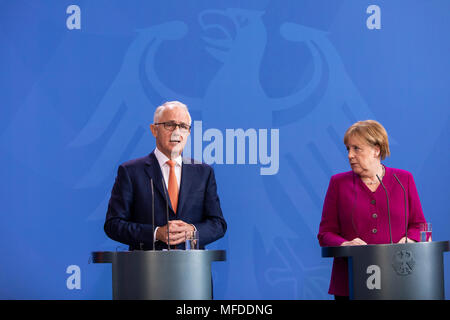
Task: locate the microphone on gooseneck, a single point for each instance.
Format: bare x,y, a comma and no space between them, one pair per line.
389,212
167,214
406,215
153,213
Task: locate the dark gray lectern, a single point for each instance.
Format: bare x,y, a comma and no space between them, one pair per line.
161,275
394,271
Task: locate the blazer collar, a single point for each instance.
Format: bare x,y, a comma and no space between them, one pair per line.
162,158
153,170
187,177
387,181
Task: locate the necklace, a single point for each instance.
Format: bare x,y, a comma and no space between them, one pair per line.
371,182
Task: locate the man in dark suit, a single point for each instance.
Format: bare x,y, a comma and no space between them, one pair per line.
188,189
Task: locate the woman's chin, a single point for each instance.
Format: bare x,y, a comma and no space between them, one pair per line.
356,169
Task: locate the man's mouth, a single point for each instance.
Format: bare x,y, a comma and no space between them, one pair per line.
177,141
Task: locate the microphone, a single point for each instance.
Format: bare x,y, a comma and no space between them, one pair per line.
153,213
389,212
406,215
167,213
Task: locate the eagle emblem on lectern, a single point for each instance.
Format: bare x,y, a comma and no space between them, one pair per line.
403,262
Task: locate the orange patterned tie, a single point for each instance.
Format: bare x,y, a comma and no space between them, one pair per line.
173,185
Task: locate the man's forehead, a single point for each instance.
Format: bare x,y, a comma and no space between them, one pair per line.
174,112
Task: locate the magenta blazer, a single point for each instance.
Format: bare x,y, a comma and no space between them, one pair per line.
351,210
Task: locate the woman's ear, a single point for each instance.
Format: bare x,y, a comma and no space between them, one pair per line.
377,151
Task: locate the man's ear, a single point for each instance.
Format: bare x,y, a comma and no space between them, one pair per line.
153,129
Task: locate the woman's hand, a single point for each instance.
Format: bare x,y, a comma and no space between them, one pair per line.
402,240
354,242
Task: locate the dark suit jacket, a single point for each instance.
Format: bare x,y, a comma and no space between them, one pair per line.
129,216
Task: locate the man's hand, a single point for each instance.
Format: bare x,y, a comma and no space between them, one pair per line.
177,229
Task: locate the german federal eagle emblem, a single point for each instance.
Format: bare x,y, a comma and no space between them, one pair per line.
403,262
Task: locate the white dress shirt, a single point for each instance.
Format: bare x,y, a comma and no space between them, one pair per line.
165,168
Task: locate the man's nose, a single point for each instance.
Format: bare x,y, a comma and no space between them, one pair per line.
176,133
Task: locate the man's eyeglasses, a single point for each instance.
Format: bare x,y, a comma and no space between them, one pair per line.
171,126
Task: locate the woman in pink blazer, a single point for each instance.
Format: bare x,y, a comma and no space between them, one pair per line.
355,207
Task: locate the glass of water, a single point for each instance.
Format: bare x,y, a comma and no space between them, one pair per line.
425,232
192,242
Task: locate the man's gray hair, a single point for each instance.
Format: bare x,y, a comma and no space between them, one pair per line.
169,105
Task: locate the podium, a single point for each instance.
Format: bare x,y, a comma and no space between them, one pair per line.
161,275
410,271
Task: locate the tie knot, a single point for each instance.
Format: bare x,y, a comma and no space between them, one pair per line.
171,163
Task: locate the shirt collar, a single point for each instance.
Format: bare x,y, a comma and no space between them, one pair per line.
162,158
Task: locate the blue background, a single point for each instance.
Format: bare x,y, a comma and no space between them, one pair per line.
77,103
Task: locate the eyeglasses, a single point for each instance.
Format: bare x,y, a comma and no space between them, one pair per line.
171,126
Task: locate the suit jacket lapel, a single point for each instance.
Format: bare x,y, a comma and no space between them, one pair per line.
153,170
187,176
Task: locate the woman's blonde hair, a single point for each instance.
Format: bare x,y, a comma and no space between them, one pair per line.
373,133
